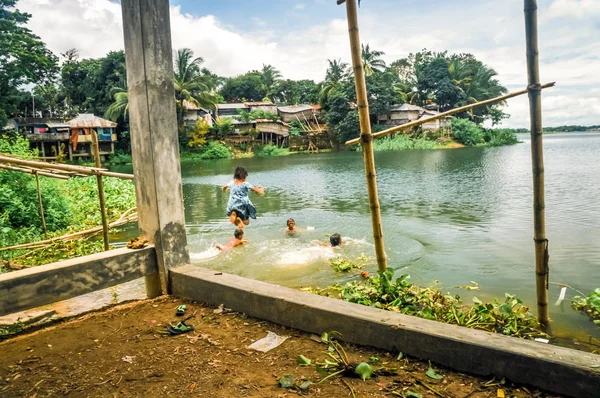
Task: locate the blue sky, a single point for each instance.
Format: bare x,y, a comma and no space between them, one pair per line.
298,36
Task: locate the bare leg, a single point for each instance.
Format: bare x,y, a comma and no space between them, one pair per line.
233,217
239,223
247,222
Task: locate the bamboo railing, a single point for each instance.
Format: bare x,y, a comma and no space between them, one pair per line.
64,171
442,115
533,90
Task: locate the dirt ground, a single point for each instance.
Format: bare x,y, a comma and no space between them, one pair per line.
124,351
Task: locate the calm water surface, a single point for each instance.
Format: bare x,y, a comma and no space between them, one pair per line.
453,216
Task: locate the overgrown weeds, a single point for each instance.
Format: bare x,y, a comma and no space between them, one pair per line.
510,317
589,305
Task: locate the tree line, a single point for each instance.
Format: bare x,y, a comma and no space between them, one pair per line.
66,85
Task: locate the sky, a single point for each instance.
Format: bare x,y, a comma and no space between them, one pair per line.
298,36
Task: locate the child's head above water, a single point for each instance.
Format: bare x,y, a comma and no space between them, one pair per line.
335,240
240,174
291,223
238,234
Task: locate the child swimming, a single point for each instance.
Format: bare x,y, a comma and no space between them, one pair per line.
239,207
238,240
291,227
335,240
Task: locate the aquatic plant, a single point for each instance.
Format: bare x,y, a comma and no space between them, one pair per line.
510,317
341,264
589,305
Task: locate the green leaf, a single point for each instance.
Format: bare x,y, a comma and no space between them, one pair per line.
431,374
413,394
304,386
364,370
287,381
400,356
303,361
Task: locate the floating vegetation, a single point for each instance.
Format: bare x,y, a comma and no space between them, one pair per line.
589,305
510,317
341,264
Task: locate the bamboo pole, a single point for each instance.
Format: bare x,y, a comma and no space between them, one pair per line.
88,171
88,232
33,171
96,150
537,160
366,138
448,113
41,203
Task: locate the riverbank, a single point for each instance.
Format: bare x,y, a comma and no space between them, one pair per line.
126,350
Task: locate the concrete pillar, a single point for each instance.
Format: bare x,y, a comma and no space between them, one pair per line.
154,140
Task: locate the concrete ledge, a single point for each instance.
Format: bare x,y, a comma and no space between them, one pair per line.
37,286
554,369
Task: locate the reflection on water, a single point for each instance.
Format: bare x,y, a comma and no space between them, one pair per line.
450,215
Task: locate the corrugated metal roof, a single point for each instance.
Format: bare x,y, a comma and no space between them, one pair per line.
58,126
85,120
231,106
259,104
295,108
191,107
407,107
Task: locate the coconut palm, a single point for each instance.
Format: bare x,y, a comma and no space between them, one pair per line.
189,83
269,76
119,108
336,72
372,61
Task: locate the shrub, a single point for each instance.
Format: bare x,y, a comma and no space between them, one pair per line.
18,193
466,132
216,150
270,150
119,157
402,142
197,135
498,137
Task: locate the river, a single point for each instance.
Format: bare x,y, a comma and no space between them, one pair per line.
452,216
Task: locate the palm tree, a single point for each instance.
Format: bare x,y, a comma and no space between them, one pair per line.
372,61
119,108
336,72
269,76
189,83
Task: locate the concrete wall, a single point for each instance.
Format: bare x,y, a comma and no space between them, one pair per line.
555,369
37,286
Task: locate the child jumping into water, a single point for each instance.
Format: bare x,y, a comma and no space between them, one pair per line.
238,240
239,207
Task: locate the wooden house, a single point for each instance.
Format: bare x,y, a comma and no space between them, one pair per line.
194,113
405,113
80,140
230,110
50,137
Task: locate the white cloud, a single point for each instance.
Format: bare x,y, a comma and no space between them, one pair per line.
494,32
299,6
